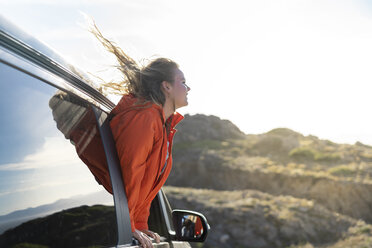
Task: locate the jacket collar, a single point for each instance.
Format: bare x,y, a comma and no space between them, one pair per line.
129,102
177,117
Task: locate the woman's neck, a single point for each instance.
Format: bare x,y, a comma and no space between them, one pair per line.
168,109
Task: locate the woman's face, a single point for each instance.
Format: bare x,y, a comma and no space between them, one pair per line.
179,89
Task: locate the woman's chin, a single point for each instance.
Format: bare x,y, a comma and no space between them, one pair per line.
183,105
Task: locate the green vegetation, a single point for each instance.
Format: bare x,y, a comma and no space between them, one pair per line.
283,132
365,230
302,153
310,154
343,170
327,157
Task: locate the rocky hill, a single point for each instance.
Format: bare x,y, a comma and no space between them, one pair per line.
77,227
280,163
201,127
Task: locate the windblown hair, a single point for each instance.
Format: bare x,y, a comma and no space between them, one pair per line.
143,82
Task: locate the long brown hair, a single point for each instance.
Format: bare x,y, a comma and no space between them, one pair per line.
143,82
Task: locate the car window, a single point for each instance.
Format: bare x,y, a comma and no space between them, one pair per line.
160,219
44,135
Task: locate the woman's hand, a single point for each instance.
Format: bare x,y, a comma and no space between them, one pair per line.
143,239
153,235
143,236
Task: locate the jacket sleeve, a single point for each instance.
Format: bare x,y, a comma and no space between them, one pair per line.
134,137
142,216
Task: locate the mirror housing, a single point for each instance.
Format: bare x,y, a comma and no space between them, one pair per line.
190,226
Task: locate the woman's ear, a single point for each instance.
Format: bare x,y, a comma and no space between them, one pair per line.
166,86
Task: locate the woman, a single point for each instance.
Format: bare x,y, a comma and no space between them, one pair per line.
143,127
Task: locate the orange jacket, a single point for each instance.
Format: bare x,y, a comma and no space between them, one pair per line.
141,139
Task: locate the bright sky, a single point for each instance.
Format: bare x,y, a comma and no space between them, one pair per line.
262,64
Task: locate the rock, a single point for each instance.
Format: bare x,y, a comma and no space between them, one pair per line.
202,127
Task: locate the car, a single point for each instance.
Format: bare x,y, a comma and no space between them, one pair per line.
51,115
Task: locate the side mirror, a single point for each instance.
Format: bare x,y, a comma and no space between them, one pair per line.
190,226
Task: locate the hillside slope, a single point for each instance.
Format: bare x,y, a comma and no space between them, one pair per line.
249,218
280,162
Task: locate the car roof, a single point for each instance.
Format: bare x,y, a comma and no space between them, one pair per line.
24,52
